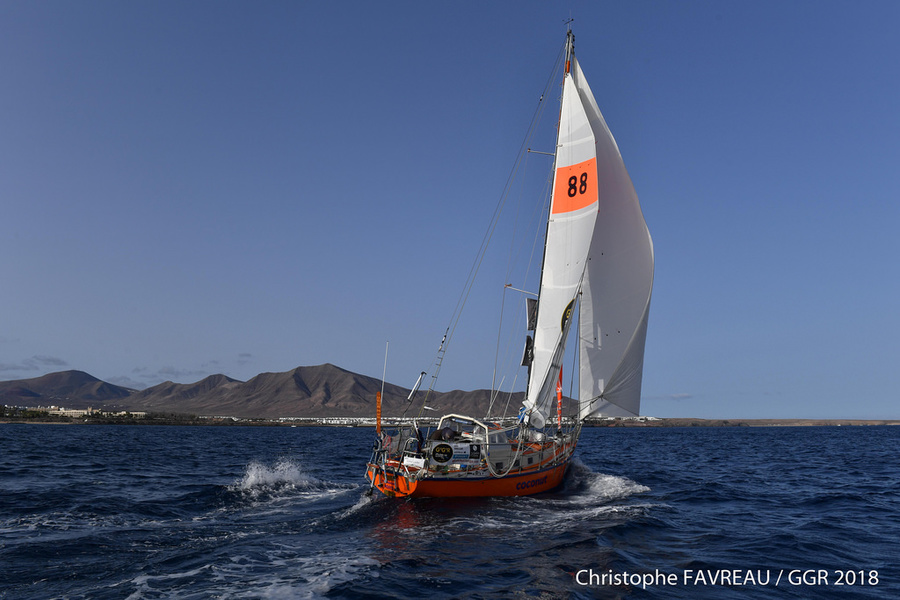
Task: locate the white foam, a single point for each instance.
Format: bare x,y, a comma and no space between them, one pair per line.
364,500
308,577
284,481
145,583
286,473
612,487
600,486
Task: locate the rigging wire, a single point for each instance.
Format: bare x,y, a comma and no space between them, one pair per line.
541,210
492,226
510,361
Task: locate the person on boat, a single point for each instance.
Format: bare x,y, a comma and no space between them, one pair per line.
420,439
446,434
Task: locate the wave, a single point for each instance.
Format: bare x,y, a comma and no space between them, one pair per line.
286,473
239,576
284,478
582,484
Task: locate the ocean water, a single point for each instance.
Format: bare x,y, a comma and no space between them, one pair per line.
252,512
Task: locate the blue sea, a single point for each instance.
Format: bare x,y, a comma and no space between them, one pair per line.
278,512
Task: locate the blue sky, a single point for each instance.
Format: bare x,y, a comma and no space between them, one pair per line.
189,188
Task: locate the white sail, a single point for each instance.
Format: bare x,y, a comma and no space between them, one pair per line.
617,284
573,210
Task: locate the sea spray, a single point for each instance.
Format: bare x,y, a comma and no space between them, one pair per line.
284,479
285,473
586,485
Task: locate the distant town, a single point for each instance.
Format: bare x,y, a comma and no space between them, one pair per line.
57,414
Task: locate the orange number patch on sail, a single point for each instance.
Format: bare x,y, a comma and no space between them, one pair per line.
576,187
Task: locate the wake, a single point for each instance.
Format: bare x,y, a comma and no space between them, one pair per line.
285,478
584,484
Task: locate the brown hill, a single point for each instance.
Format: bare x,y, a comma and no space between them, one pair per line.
319,391
74,389
167,396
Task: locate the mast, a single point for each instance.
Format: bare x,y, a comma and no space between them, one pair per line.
529,344
570,224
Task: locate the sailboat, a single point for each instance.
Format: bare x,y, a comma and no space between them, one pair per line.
597,270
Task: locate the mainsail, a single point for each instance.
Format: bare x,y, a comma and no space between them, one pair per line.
598,246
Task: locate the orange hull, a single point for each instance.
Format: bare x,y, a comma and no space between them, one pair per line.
390,483
522,484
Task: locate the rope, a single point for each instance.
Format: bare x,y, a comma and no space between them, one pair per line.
512,462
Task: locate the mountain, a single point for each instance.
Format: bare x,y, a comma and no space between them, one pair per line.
167,396
318,391
73,389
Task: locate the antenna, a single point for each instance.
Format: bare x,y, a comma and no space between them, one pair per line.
384,371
